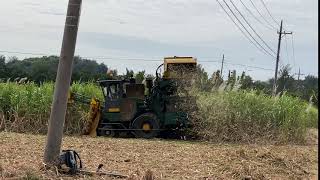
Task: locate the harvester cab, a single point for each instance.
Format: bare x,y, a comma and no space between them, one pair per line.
123,101
127,109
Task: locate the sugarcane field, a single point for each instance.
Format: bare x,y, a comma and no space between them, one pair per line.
152,90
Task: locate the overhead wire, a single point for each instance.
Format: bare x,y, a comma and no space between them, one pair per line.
251,27
265,6
263,49
135,59
286,42
255,17
23,53
249,66
255,7
293,53
248,38
96,57
238,64
240,28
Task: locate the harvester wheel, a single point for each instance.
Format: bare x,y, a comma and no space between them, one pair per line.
146,126
106,132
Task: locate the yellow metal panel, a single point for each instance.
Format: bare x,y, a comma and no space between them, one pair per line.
94,125
176,60
114,110
94,119
70,97
180,60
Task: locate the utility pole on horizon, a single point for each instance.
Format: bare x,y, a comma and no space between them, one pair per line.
222,65
278,57
62,84
299,74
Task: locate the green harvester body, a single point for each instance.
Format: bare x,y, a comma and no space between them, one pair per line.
144,110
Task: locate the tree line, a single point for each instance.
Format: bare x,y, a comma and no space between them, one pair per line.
42,69
306,89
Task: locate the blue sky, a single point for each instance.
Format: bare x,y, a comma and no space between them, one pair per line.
114,31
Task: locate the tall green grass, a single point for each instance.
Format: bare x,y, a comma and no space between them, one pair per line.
234,116
26,107
244,116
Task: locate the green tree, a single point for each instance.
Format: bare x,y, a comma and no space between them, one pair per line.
139,76
112,74
285,81
16,68
246,81
216,79
128,75
263,86
202,80
310,88
40,69
232,79
88,70
3,71
44,69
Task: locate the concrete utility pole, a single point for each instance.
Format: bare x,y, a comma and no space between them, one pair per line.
298,83
222,65
62,84
299,74
278,58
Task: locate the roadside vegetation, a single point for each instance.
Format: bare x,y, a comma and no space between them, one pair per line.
237,109
221,116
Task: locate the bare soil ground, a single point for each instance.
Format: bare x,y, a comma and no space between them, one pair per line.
21,158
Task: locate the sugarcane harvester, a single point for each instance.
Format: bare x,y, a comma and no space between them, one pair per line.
127,109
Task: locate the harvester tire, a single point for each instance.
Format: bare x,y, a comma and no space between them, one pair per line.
108,133
146,126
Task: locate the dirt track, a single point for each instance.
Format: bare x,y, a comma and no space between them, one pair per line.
21,155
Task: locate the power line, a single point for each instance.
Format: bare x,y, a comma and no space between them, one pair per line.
255,7
264,4
121,59
255,17
23,53
238,64
293,53
263,49
98,57
240,28
251,27
85,57
288,59
139,59
94,57
254,67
